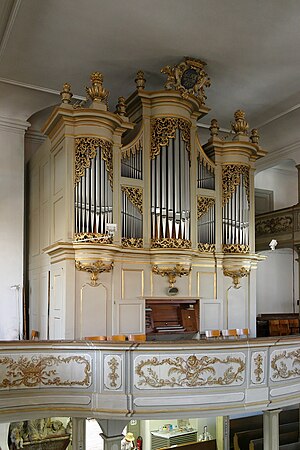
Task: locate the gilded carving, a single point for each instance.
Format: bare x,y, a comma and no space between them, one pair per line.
135,146
231,179
203,205
240,125
189,78
93,237
214,128
170,243
164,128
236,275
132,242
258,371
140,80
172,272
206,248
44,370
94,269
235,248
113,375
66,93
86,149
285,364
97,93
135,196
190,371
274,225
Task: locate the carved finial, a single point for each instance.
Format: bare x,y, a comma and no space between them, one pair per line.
97,92
240,126
66,93
254,136
121,106
214,128
140,80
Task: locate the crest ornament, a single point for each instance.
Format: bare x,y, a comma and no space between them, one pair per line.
97,93
188,77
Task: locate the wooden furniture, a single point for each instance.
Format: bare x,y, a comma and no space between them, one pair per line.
212,334
285,323
242,332
242,439
171,316
161,440
136,337
95,338
203,445
284,439
229,333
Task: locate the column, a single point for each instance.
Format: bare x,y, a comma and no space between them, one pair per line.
11,226
78,433
222,432
112,433
271,429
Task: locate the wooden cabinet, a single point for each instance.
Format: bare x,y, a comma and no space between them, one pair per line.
172,316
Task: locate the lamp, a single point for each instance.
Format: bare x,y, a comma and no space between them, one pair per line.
273,244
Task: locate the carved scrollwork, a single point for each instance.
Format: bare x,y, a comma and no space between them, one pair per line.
135,196
132,242
274,225
94,269
164,128
97,93
45,370
285,364
240,125
93,237
86,149
172,272
258,371
235,248
171,243
189,78
191,371
236,274
231,178
203,205
206,248
113,364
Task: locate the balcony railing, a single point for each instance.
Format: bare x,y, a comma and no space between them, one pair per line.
147,380
282,225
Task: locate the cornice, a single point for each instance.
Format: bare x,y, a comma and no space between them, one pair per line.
274,157
35,137
13,124
9,26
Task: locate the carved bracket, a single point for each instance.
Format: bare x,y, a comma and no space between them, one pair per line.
94,269
172,273
236,275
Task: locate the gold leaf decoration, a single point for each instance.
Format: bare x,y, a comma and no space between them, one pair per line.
231,178
135,196
40,370
191,371
258,360
132,242
93,237
235,248
171,243
206,248
86,149
203,205
164,128
285,364
113,364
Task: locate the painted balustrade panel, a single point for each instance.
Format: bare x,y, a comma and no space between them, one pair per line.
38,370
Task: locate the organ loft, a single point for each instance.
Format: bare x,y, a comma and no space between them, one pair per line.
143,226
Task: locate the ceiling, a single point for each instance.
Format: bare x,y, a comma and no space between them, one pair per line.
251,49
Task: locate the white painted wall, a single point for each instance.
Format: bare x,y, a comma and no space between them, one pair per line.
276,277
11,224
284,184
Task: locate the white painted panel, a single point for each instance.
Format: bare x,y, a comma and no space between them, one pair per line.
45,182
132,283
59,171
43,302
34,235
44,227
56,300
236,307
210,314
206,285
34,190
34,290
130,317
93,311
57,328
59,219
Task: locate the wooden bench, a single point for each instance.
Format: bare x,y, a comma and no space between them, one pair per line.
285,438
256,422
292,446
242,439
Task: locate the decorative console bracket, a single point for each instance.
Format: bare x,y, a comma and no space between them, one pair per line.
171,273
236,275
94,269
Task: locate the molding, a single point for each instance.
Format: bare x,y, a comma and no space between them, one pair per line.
36,88
9,124
35,137
207,126
9,26
273,158
278,116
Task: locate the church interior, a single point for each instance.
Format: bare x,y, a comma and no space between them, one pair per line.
150,224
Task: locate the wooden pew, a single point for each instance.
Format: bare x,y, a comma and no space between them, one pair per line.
292,446
284,439
256,422
241,440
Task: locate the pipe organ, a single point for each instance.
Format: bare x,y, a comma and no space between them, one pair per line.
142,195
